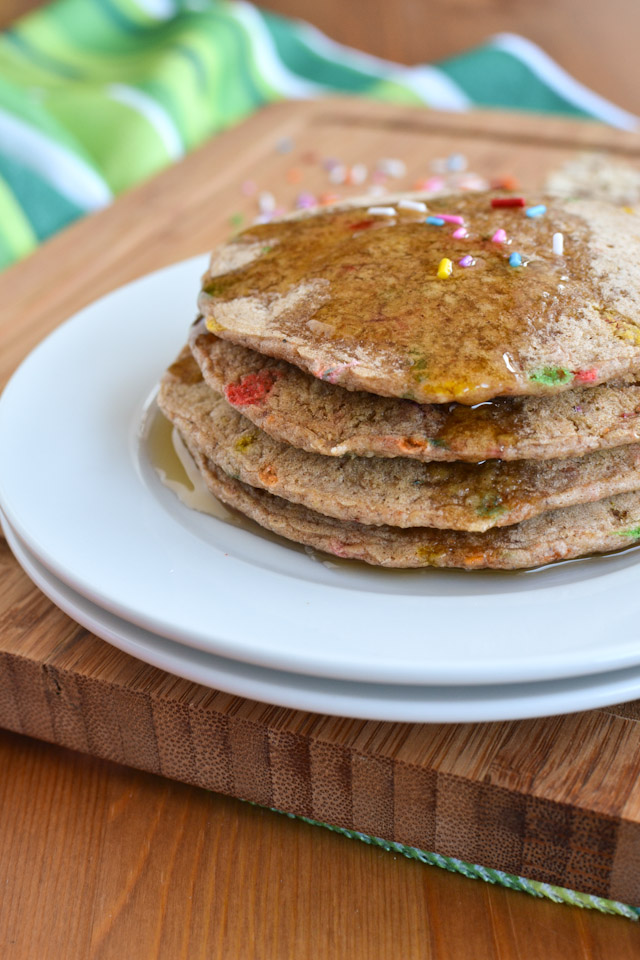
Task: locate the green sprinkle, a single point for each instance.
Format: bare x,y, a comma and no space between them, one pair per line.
236,220
634,533
551,376
419,366
439,443
267,249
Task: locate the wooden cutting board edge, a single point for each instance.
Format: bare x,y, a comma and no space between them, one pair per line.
550,799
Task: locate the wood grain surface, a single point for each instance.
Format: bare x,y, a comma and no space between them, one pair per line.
101,861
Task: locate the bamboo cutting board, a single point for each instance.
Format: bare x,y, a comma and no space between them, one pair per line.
553,800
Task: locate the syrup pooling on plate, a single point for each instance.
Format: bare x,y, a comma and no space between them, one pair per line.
355,298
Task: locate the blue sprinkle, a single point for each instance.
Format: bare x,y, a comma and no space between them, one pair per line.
515,260
436,221
536,211
457,162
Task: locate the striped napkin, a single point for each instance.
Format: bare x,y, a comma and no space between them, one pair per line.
96,95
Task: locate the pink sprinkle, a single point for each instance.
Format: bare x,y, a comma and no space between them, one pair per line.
305,200
451,217
432,183
499,236
466,261
460,233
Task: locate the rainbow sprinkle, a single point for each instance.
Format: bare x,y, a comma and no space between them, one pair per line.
466,261
416,205
451,218
358,174
537,211
381,212
460,233
515,260
435,221
500,236
558,244
445,268
305,200
508,202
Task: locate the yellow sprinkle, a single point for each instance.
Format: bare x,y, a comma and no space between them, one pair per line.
444,268
243,443
212,325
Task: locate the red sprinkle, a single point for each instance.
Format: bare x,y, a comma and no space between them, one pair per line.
508,202
587,376
252,388
361,224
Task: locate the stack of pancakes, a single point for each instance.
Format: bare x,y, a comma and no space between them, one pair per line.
347,390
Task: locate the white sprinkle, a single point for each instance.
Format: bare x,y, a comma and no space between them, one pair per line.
266,202
338,173
416,205
381,212
456,163
558,244
359,174
392,167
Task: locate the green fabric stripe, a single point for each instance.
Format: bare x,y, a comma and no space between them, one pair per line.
122,143
43,207
17,237
493,78
39,58
307,63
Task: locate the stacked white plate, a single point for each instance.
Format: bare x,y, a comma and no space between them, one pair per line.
91,523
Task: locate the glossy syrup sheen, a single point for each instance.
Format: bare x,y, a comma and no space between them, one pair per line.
464,338
177,470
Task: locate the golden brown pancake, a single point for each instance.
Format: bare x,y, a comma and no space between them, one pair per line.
321,417
399,491
354,297
560,535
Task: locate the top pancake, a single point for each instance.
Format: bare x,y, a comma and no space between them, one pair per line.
354,298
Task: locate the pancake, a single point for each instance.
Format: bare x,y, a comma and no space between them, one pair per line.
354,297
292,406
560,535
399,491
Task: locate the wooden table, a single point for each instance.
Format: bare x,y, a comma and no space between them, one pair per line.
101,861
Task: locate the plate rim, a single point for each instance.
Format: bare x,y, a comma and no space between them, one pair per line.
381,664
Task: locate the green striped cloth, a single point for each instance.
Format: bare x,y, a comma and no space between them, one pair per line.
96,95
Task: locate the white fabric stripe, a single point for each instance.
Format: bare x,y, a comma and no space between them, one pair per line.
158,9
152,111
555,77
56,164
266,56
433,86
430,84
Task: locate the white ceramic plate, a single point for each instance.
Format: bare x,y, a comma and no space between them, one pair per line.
366,701
77,485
